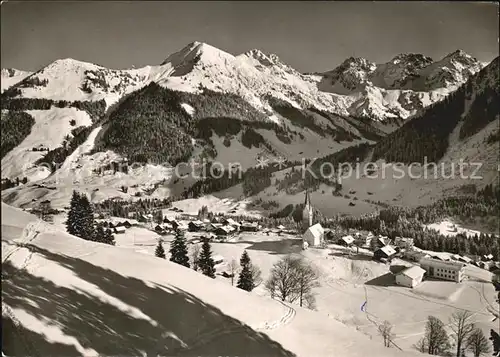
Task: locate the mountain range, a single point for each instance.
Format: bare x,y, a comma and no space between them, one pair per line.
73,119
359,88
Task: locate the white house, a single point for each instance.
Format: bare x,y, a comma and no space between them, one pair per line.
443,270
314,235
410,277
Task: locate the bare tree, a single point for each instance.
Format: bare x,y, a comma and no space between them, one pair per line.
436,336
283,280
307,279
477,343
462,327
256,276
421,345
233,267
385,329
195,255
293,279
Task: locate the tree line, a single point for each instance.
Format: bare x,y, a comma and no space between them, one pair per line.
15,126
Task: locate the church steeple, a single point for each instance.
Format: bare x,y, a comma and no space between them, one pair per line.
307,201
307,212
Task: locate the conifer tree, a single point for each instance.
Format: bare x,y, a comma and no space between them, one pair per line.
102,235
80,220
179,251
245,280
206,263
87,218
108,237
160,252
74,221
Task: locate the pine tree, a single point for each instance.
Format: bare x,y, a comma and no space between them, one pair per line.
108,237
206,263
80,220
179,251
245,280
160,252
87,218
73,223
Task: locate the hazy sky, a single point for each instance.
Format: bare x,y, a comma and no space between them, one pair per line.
310,36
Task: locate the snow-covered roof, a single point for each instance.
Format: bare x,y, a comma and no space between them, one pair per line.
232,222
348,239
388,250
120,229
440,263
227,229
281,226
316,230
466,259
413,272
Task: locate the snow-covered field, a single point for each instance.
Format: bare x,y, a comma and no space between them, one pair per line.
450,229
50,129
68,296
347,281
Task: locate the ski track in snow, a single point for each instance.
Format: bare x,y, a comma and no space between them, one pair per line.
207,337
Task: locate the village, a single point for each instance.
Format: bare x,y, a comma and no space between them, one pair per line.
418,265
364,279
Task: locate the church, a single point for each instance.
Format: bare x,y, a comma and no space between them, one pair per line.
313,235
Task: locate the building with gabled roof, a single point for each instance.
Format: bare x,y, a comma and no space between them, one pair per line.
386,252
314,235
410,277
346,241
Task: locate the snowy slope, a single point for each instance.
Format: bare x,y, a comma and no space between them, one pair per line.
11,76
72,80
50,129
83,298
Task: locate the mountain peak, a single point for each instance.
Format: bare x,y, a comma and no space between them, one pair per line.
460,55
266,59
417,59
194,51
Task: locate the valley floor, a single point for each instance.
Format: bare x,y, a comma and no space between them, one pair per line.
348,280
64,296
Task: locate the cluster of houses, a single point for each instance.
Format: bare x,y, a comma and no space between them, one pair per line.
217,226
437,266
119,227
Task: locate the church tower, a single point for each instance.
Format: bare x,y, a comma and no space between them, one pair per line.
307,213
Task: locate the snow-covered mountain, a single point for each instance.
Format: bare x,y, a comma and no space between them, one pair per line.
401,87
357,87
85,116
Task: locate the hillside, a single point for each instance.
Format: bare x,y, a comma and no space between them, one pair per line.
473,106
66,296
